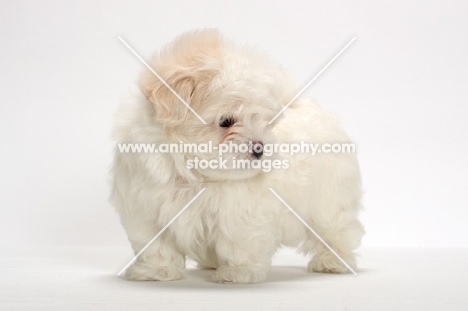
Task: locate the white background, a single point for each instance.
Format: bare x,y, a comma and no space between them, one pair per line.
399,90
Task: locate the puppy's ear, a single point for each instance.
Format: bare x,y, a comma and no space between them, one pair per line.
168,108
190,62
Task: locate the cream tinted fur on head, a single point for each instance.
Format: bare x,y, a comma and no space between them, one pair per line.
236,225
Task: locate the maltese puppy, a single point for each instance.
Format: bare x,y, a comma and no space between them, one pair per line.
237,223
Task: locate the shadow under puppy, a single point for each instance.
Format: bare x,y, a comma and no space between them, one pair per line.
236,225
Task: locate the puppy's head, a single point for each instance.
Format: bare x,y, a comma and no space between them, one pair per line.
235,90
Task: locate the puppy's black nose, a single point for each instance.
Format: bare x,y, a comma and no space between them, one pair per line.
257,149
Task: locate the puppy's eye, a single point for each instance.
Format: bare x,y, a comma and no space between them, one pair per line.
226,121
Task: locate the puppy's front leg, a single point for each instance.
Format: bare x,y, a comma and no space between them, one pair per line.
161,261
244,252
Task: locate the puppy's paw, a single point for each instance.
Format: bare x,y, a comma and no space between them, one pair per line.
329,263
228,275
141,272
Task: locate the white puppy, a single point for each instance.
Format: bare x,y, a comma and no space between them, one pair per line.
236,225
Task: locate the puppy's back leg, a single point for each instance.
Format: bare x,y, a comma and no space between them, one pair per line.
343,238
333,214
209,260
245,246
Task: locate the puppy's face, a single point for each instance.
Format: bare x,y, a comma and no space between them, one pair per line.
234,91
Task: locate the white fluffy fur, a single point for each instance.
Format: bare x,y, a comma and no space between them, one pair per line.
236,225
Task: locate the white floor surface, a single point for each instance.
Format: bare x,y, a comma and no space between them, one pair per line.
85,279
